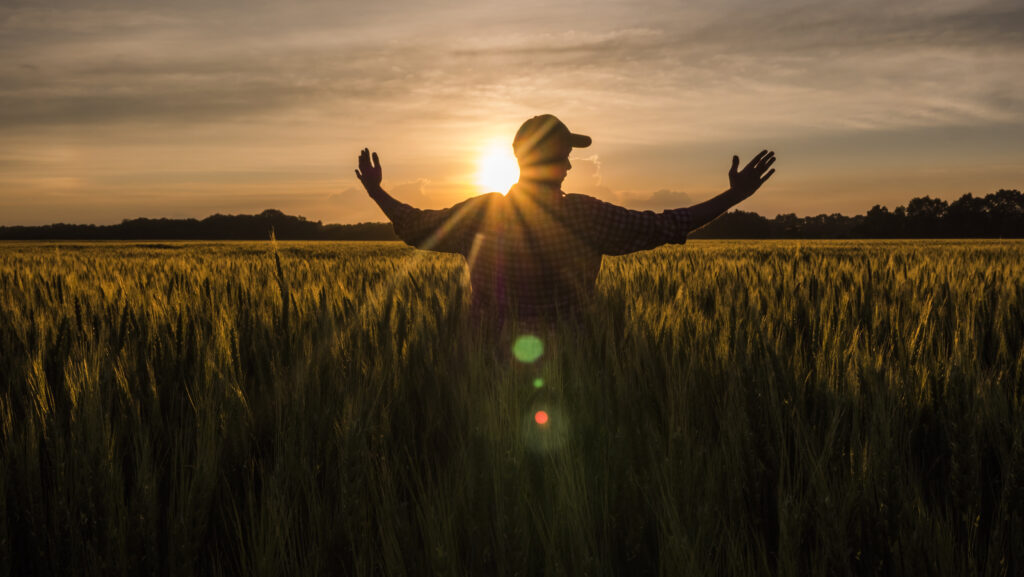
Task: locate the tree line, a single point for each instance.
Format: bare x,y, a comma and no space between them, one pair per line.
216,227
997,215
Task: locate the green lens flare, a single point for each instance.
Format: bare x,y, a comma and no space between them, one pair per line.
528,348
538,383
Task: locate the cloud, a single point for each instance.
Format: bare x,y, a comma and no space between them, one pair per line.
586,179
724,71
412,193
225,87
656,201
353,205
836,27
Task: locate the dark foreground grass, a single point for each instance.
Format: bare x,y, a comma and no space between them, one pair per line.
726,409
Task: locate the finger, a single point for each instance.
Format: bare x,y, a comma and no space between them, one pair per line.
767,176
358,175
764,165
735,164
376,161
755,160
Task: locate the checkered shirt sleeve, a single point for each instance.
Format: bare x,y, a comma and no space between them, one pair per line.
446,230
614,230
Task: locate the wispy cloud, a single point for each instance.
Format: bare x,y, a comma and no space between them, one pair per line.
255,86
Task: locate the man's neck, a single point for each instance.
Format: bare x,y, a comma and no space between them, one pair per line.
540,189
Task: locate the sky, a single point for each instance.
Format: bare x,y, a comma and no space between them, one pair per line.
134,108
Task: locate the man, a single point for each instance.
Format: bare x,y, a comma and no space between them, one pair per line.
534,254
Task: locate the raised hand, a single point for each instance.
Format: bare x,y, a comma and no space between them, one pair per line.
369,174
753,175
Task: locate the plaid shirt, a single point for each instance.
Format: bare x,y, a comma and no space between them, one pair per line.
530,259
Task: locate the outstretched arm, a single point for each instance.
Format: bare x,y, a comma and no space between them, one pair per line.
370,174
742,185
447,230
616,230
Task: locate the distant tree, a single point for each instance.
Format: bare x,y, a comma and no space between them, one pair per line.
787,226
1007,210
878,223
736,224
924,216
899,220
967,217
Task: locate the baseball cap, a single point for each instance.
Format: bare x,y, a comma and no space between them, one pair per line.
544,138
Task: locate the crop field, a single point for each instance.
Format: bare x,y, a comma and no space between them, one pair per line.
724,408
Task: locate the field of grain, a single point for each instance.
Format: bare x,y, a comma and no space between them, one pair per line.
726,408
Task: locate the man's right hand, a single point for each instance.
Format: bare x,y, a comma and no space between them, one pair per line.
369,173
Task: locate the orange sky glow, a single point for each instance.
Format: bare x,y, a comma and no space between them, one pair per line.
121,110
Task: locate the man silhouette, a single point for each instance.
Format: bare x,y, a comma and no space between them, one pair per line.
534,253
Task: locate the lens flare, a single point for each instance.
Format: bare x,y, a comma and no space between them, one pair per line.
538,383
528,348
545,427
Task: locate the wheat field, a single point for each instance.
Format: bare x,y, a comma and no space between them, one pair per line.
724,408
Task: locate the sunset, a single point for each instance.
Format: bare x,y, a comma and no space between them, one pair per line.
433,287
119,110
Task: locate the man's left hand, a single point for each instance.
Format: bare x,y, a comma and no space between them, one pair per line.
753,175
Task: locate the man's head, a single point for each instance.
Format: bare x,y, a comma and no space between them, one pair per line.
542,146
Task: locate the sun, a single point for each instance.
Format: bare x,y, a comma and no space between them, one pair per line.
497,169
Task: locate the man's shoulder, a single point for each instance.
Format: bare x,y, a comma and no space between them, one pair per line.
581,201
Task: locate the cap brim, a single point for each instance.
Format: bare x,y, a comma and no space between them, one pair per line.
579,140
